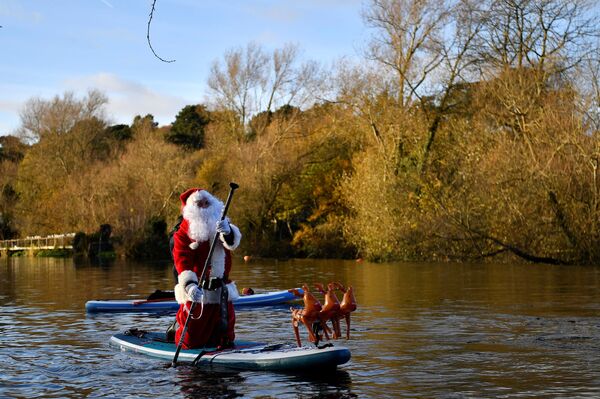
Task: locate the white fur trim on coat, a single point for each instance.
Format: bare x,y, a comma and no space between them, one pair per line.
232,291
217,262
184,278
237,237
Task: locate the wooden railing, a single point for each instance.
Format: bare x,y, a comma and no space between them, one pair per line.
37,242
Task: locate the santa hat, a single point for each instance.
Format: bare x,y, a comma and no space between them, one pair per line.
183,197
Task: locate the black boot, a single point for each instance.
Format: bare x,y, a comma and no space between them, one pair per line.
170,335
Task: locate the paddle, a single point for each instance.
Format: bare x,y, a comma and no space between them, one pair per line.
156,296
143,301
232,187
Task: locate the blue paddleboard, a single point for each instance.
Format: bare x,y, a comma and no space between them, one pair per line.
243,356
170,305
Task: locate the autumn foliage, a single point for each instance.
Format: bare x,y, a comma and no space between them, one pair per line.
466,133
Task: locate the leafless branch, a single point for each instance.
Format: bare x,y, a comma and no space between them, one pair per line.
148,35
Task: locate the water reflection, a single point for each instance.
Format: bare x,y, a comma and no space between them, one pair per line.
334,384
198,383
421,330
219,383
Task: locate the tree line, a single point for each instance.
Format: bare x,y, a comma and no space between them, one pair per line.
469,130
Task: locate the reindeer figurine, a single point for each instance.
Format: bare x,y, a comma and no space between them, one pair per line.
347,306
330,310
307,316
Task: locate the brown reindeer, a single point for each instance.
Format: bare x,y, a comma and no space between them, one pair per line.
347,306
308,316
330,310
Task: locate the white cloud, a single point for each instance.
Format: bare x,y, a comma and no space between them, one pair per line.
9,106
128,98
9,115
12,10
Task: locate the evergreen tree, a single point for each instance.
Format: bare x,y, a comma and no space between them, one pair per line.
188,129
119,132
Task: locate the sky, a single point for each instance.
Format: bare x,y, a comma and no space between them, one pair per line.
49,47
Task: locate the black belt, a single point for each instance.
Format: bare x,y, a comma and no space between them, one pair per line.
212,283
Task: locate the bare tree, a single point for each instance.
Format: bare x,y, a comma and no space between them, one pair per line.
426,44
462,29
234,81
549,35
41,117
407,39
249,81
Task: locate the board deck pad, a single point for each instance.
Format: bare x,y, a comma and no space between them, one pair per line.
245,355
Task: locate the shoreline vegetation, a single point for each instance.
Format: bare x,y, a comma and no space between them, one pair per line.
465,133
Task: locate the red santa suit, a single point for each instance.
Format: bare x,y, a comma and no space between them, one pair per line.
192,244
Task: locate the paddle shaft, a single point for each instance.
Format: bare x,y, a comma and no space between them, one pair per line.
185,327
233,187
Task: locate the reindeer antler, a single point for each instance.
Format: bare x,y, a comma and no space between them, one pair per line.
339,286
320,288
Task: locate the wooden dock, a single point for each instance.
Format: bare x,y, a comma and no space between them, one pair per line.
31,245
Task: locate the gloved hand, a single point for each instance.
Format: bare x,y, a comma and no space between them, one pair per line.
223,227
195,293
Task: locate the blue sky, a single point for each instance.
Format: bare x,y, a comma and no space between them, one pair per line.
48,47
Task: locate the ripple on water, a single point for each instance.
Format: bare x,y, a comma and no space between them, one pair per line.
423,331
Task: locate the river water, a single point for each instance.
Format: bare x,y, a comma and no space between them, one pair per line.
420,331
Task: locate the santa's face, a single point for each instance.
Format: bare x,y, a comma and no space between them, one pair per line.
202,211
203,202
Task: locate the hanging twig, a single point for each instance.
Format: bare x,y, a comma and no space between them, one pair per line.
148,35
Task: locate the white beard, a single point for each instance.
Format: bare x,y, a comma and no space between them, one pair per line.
202,221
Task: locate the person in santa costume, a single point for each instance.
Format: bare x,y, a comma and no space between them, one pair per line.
213,319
